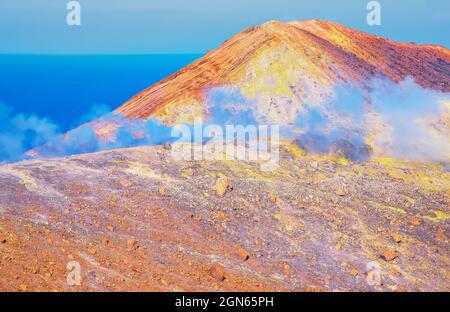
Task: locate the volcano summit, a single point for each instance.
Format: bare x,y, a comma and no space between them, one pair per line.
320,82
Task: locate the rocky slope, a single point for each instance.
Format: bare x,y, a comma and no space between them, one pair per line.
299,61
135,219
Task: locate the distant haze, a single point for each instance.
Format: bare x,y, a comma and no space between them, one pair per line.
180,26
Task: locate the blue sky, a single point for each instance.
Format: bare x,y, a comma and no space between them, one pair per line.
196,26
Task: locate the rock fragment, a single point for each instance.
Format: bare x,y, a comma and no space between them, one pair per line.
162,191
23,287
222,186
217,271
396,237
132,244
388,255
104,240
92,250
273,198
341,192
242,253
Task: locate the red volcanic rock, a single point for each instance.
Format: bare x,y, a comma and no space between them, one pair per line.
389,255
217,271
291,66
323,53
132,244
183,237
242,253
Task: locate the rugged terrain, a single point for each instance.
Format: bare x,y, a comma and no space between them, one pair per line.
339,207
135,219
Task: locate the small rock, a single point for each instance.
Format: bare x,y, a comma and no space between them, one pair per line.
132,244
110,228
313,289
388,255
197,217
217,271
162,191
273,198
354,272
243,254
2,239
125,182
23,287
188,173
137,268
396,237
222,186
104,240
440,235
341,192
338,246
92,250
415,221
156,237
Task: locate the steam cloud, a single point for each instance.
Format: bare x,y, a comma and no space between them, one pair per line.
20,132
402,120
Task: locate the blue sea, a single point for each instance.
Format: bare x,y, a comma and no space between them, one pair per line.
41,95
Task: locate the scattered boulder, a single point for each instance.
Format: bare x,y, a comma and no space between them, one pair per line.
217,271
92,250
34,269
388,255
132,244
222,186
242,253
396,237
341,192
126,183
273,198
104,240
440,235
23,287
162,191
